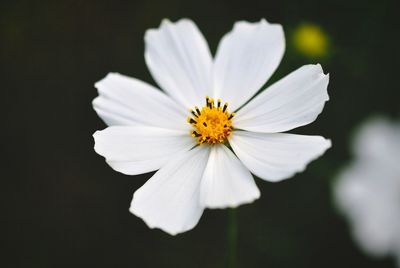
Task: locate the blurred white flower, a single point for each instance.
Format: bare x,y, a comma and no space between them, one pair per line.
368,190
205,154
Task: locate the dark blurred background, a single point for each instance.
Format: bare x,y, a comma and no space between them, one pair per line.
63,206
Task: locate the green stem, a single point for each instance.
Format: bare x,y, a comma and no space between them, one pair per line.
232,234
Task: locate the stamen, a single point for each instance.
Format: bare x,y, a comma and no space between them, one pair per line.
212,123
195,134
193,113
225,106
191,121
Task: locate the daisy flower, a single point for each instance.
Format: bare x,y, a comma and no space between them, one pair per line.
367,192
204,132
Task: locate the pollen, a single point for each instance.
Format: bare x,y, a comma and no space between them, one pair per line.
212,124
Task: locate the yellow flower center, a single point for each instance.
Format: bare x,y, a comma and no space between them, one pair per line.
213,123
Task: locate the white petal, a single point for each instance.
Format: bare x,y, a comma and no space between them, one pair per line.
246,58
226,181
134,150
293,101
180,61
277,156
170,199
125,101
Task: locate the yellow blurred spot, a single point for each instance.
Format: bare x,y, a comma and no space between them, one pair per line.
310,40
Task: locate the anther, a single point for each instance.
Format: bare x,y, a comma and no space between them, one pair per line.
225,106
193,113
207,99
232,115
197,110
219,102
195,134
191,121
205,124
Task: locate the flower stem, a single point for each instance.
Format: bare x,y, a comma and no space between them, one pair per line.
232,234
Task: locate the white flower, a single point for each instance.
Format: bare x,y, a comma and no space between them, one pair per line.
151,130
368,191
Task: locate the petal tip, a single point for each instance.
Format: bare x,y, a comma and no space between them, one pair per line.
165,21
327,76
185,20
324,146
264,21
321,70
96,134
95,102
328,144
234,204
150,223
109,76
